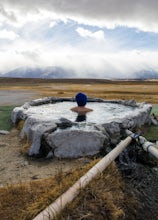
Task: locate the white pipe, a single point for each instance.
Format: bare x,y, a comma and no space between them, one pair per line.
59,204
146,145
149,146
153,150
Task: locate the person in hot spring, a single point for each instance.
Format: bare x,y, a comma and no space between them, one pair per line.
81,109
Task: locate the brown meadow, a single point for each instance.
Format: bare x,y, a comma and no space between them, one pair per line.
138,90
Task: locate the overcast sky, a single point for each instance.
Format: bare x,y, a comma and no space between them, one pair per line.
100,38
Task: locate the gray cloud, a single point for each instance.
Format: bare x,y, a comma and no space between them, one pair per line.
7,14
31,55
141,14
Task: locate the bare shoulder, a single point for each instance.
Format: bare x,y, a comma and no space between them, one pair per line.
81,109
89,109
74,109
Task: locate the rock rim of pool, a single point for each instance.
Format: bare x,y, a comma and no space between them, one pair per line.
63,137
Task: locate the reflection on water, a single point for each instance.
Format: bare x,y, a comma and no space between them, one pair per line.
102,112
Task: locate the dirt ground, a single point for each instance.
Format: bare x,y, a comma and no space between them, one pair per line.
16,167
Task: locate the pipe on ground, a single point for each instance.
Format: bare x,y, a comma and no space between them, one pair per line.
146,145
59,204
149,146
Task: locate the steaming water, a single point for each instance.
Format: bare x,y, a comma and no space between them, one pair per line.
102,112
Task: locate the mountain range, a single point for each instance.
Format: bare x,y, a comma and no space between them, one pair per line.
50,72
54,72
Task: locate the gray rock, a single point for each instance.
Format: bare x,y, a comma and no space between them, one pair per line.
76,143
154,121
34,128
50,155
131,103
3,132
113,130
41,101
64,123
128,123
18,114
48,100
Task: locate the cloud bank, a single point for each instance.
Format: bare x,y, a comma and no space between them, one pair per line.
102,39
140,14
111,65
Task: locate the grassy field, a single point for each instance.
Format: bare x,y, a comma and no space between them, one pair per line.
152,131
139,90
155,109
5,121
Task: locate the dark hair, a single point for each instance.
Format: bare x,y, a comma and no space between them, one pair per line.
81,99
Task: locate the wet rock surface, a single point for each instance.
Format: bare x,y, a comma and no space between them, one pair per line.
41,124
113,129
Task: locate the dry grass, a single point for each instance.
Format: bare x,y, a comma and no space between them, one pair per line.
102,199
138,90
24,141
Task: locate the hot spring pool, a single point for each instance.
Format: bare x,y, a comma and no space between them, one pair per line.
102,112
52,129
